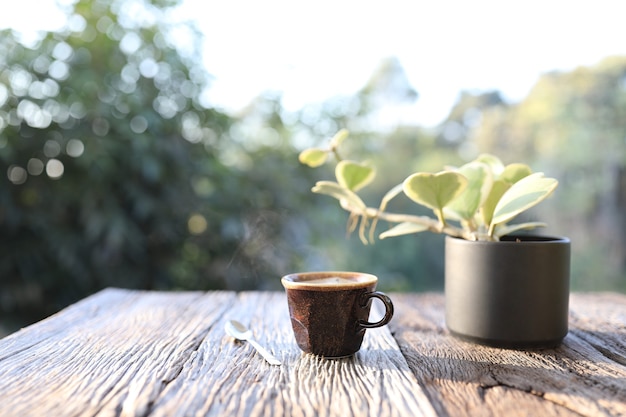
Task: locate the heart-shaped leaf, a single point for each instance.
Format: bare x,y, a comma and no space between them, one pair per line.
514,172
403,229
522,195
353,175
480,180
348,199
434,190
498,189
338,138
313,157
493,162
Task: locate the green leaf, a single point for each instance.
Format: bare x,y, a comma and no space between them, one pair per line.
434,190
480,180
391,194
313,157
403,229
493,162
522,195
338,138
498,189
514,172
348,199
353,175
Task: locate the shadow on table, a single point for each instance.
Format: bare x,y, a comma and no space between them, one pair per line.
372,359
582,367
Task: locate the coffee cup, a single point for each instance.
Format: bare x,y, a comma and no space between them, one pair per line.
330,310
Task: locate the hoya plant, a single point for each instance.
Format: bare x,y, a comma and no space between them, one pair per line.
475,201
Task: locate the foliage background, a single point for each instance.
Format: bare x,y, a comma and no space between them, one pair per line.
113,173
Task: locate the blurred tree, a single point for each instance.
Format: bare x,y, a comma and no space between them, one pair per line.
572,124
114,174
464,117
102,146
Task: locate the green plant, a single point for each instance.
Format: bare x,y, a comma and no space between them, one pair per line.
474,202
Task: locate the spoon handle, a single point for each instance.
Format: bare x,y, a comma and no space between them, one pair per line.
264,352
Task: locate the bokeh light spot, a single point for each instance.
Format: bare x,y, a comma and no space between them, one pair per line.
138,124
51,148
55,168
74,148
35,166
17,175
148,68
197,224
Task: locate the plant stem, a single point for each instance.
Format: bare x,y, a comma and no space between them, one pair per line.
433,225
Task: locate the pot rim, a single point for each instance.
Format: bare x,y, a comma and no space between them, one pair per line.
515,239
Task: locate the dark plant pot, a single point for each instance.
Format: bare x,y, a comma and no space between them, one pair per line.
513,293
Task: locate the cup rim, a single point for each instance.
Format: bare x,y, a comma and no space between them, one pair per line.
303,284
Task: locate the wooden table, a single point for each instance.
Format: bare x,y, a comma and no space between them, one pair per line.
133,353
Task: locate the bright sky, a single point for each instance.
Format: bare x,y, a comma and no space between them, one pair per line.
314,50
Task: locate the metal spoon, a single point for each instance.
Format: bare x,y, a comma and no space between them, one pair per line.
240,332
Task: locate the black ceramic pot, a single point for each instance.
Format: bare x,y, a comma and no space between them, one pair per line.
513,293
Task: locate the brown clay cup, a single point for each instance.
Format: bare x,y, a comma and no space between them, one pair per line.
330,310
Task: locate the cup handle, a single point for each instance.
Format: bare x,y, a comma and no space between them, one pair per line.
388,309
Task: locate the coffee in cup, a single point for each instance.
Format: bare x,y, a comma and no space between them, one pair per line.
330,310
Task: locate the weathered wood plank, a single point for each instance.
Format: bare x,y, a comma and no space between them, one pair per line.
135,353
229,378
166,354
585,376
98,356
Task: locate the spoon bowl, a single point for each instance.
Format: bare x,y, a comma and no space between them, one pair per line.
240,332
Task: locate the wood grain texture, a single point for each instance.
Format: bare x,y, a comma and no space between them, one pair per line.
236,381
585,376
131,353
119,344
